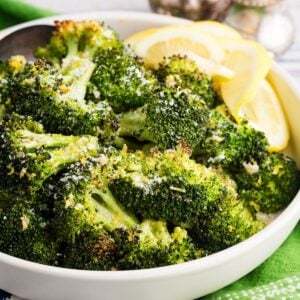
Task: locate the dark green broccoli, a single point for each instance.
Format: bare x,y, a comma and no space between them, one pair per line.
168,118
231,222
25,234
121,79
9,68
271,185
152,245
229,144
28,156
87,216
51,94
182,73
168,185
57,101
91,250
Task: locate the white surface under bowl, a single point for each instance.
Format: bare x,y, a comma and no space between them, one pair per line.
178,282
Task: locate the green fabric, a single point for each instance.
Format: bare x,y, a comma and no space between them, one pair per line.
15,11
280,273
284,263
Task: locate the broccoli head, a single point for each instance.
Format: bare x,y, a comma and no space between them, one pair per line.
167,185
271,185
168,118
81,39
9,68
24,234
229,144
121,79
231,223
28,156
153,245
182,73
57,101
88,216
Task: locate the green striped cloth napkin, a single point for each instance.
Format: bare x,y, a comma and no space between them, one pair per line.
277,278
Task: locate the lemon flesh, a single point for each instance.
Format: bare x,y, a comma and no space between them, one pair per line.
265,113
174,40
250,63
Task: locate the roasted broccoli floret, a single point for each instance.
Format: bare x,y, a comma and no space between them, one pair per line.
271,185
51,94
121,79
229,144
153,245
231,222
118,76
81,40
25,234
88,216
182,73
9,68
168,118
57,101
168,185
28,156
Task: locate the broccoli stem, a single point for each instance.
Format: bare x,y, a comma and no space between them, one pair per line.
2,111
60,158
31,140
120,214
78,71
132,123
154,232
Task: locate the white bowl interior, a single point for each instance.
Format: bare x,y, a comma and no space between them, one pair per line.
185,281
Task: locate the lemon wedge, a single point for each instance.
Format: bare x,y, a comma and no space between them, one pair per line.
250,63
172,40
264,113
217,29
134,39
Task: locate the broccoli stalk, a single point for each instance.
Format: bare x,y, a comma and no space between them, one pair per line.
28,156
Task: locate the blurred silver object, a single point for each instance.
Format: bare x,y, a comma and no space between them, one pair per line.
24,41
267,21
192,9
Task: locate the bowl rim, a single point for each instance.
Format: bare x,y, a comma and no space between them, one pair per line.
292,211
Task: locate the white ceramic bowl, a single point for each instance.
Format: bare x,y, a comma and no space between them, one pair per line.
184,281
